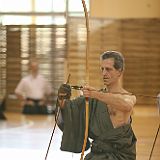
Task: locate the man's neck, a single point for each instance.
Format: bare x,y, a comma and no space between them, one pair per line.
34,75
116,87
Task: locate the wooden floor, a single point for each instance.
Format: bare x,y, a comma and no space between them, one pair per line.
27,137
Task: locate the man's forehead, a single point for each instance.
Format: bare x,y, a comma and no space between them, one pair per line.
34,64
109,61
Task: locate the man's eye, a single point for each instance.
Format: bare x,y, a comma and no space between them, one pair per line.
106,69
102,69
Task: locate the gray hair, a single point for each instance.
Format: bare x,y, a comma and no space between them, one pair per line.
119,63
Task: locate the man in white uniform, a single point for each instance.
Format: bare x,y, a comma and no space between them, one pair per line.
33,90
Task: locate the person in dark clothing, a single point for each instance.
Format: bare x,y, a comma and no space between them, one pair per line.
110,111
2,109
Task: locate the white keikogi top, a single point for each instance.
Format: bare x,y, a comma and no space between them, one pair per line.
33,87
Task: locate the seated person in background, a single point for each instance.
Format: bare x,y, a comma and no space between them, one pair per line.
34,90
2,108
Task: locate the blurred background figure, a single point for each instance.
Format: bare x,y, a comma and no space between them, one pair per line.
34,91
2,109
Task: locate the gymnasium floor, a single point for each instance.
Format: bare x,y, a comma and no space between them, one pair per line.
27,137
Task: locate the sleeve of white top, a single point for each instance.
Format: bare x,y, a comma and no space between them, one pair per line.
48,88
20,89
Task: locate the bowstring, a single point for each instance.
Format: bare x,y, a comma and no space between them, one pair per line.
155,138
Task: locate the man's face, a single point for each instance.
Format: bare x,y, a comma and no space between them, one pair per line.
34,67
109,73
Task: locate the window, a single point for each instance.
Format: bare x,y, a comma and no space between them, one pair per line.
76,5
50,5
15,5
21,12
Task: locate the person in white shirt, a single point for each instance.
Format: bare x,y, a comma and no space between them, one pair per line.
33,90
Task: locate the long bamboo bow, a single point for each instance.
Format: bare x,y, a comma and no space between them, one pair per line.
87,80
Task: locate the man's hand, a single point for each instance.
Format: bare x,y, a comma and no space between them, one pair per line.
89,91
64,92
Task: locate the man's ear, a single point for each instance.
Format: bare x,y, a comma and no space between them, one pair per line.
120,73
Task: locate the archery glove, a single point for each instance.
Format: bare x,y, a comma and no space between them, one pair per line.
64,92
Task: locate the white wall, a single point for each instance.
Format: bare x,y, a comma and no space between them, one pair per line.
125,8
